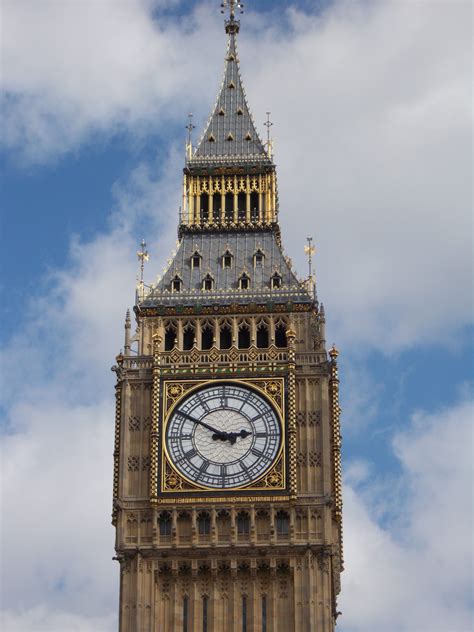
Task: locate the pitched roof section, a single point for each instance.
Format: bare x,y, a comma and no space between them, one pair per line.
230,136
226,286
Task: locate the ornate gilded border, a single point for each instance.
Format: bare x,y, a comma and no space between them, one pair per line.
273,480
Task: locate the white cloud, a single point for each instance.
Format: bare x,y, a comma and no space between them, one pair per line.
371,103
41,620
412,571
374,155
57,437
73,69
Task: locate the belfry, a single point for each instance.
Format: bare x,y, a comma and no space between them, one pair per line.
227,478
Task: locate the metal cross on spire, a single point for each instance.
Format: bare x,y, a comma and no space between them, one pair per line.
232,5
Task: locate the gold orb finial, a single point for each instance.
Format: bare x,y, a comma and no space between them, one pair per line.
333,352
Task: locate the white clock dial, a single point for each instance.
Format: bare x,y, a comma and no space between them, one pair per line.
223,436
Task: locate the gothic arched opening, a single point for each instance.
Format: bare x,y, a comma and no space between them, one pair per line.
282,523
262,336
188,337
223,525
207,337
164,520
229,207
254,206
170,337
204,208
243,523
225,338
204,523
216,207
280,336
244,337
241,206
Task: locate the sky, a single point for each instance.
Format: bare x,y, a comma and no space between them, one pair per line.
371,108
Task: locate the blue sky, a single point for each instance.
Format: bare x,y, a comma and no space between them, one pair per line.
370,103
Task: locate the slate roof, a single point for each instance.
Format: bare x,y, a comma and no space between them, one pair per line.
230,136
242,246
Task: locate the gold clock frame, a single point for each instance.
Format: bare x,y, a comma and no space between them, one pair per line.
272,480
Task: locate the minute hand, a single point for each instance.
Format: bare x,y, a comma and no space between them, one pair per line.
202,423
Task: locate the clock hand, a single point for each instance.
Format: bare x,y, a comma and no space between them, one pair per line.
232,436
219,433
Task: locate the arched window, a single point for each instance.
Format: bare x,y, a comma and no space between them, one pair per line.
244,282
225,337
204,208
244,336
208,283
223,525
188,336
216,207
229,207
262,335
176,284
184,526
262,524
196,260
280,335
282,523
254,206
204,523
207,336
243,523
164,520
241,206
227,260
170,336
258,258
276,281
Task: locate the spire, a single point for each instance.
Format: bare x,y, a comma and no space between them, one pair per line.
230,136
128,326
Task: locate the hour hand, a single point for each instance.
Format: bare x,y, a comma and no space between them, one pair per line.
232,436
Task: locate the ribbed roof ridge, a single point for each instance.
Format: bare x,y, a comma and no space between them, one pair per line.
230,134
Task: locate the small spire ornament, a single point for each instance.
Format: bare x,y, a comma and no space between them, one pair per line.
232,5
189,141
268,124
142,257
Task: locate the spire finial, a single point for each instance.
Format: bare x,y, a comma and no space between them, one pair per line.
189,142
232,25
142,257
310,250
268,124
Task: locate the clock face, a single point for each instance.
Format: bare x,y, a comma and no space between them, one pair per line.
223,436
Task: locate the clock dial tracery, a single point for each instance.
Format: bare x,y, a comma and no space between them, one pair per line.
223,436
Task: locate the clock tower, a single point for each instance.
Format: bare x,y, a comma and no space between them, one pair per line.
227,479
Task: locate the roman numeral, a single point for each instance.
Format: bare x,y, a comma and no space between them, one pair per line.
259,454
188,455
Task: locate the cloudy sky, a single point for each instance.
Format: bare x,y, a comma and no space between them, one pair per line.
371,104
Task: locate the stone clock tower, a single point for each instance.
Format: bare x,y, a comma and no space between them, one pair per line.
227,479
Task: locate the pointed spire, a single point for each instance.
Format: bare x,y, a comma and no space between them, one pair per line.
128,326
230,136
